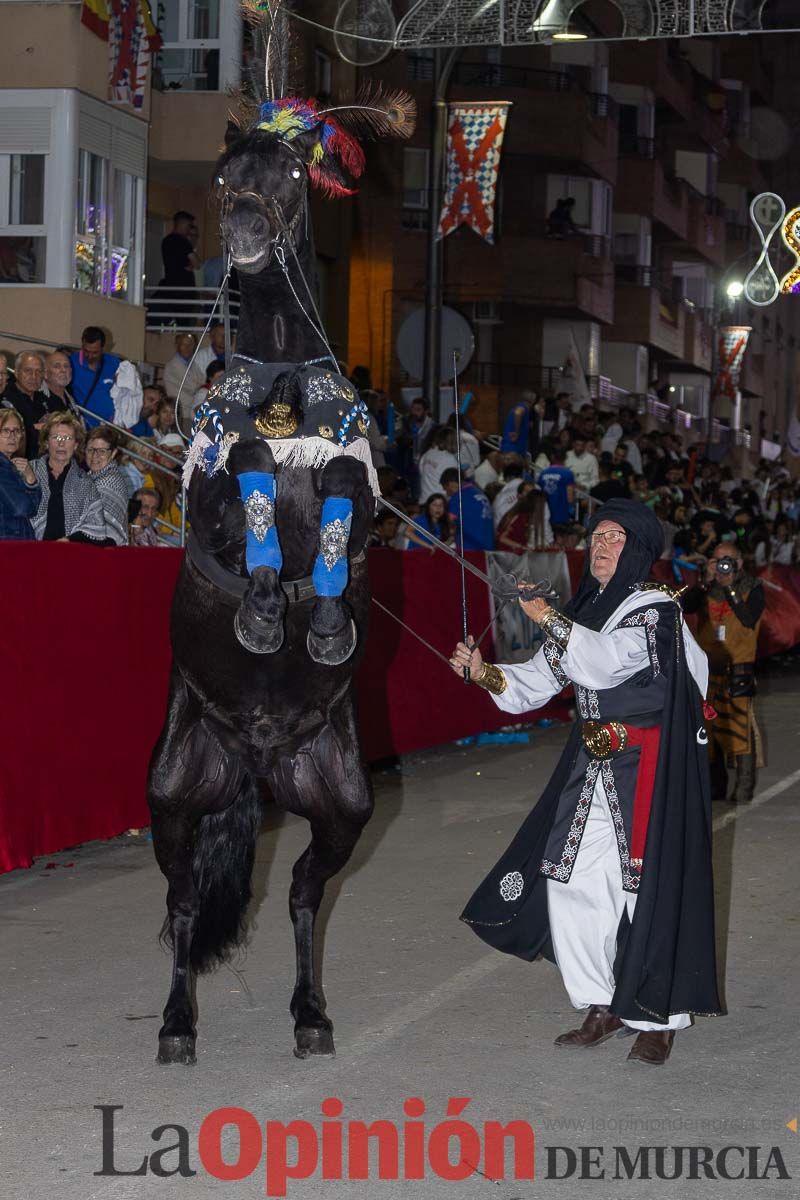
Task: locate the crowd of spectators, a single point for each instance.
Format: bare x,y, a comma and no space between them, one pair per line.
67,471
557,461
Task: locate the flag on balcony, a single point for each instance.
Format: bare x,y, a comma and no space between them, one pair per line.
474,140
132,38
730,352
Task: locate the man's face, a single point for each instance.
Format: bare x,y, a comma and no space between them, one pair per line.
451,488
578,446
620,454
148,511
92,352
183,226
57,371
30,375
417,412
185,346
150,399
217,340
726,550
606,544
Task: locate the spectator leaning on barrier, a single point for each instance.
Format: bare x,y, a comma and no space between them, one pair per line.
101,451
730,605
70,509
436,519
19,491
146,503
152,395
93,373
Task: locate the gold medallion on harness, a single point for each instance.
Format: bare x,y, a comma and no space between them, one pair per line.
278,421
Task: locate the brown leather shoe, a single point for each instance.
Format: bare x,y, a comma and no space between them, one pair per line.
598,1027
652,1047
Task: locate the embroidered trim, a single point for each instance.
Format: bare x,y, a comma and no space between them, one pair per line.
630,880
588,704
259,511
563,869
333,541
649,618
553,655
511,886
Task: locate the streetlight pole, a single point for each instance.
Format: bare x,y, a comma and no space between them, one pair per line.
442,70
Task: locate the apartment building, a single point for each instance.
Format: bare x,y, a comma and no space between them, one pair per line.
652,141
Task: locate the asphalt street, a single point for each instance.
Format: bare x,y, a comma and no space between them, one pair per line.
421,1008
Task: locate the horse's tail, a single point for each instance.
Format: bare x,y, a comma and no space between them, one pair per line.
224,851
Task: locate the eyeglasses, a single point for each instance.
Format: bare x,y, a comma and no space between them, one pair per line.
11,433
61,438
90,450
611,537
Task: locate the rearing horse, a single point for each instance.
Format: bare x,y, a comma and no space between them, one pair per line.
269,616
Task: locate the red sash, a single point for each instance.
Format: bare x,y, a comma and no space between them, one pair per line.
648,740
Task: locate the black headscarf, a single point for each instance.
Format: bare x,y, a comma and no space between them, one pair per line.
591,605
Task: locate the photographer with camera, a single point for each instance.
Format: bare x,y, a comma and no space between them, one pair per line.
730,605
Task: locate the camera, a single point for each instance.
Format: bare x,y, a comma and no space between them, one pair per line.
726,566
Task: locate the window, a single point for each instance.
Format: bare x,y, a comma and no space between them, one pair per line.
322,73
108,209
23,240
415,177
189,57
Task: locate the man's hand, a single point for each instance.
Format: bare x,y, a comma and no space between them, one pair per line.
466,656
534,608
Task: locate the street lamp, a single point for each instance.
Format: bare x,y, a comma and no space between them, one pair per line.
734,289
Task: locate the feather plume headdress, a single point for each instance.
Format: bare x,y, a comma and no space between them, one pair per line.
374,113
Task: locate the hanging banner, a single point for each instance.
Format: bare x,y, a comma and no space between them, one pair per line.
516,637
730,352
132,38
474,140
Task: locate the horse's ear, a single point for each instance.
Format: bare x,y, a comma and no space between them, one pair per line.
232,134
305,143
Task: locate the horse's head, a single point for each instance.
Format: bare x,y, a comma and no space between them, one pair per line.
263,183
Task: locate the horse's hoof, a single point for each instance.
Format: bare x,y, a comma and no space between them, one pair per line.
317,1042
259,637
330,651
176,1050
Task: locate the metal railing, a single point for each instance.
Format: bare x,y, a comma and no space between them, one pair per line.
183,310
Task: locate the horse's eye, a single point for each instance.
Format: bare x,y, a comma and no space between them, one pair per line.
221,180
296,172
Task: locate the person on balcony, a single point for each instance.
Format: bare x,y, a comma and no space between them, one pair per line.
19,491
177,253
560,223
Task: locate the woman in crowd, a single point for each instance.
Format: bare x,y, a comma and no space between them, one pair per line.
19,491
523,526
70,509
101,451
165,420
434,517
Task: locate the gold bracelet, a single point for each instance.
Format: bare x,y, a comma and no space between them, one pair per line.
556,626
491,678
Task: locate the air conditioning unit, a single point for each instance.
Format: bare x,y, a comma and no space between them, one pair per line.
485,312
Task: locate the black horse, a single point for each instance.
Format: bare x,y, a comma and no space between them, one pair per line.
269,617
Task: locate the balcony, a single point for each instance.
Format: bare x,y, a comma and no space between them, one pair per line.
564,277
682,95
645,188
706,233
648,315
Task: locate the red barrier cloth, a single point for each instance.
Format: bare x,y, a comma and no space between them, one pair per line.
85,646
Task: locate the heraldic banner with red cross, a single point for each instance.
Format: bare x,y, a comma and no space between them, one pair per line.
474,140
730,351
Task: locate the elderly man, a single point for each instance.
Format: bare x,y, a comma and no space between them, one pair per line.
26,396
58,377
215,350
183,376
610,875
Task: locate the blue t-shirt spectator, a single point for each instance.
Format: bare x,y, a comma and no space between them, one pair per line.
478,524
92,389
518,445
554,482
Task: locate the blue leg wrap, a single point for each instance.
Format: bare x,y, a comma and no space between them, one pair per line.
331,570
257,489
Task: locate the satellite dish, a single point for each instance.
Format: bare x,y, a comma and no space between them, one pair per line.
363,31
457,338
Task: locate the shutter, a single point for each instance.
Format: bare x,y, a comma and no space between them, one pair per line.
24,130
94,135
129,153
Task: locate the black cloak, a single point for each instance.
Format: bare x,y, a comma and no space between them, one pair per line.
666,958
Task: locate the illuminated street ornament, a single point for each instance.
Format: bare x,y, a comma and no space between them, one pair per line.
790,231
761,286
